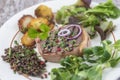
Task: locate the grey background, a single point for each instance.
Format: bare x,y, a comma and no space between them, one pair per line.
10,7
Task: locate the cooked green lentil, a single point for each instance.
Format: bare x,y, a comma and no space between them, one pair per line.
24,60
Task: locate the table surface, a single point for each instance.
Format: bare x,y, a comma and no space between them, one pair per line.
10,7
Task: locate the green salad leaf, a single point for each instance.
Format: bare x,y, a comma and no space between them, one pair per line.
89,18
63,15
107,9
91,65
61,74
94,73
117,45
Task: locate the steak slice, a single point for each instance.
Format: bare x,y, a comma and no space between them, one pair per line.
54,55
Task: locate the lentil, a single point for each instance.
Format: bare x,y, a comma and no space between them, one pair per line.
24,60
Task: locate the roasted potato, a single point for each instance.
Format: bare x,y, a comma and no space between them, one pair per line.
27,41
44,11
23,22
35,23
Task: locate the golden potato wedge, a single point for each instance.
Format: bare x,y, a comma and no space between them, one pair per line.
44,11
35,23
27,41
23,22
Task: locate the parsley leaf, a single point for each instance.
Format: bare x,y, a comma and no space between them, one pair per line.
43,34
33,33
44,28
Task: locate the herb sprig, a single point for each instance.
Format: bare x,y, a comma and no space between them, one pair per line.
42,34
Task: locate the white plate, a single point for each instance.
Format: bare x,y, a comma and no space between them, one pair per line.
10,28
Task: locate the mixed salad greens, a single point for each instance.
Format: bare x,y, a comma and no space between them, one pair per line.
90,18
91,65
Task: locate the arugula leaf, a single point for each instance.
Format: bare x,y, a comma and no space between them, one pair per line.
43,34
